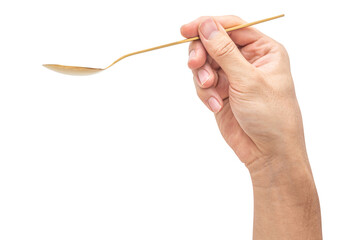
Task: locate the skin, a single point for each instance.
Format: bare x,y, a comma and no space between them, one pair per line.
244,77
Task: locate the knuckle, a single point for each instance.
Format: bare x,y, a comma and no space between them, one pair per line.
236,18
214,80
202,18
225,49
197,84
190,64
200,95
280,48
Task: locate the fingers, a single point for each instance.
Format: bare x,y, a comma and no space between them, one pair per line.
222,49
246,36
191,29
202,69
210,97
216,60
223,85
205,76
197,55
213,96
213,63
241,37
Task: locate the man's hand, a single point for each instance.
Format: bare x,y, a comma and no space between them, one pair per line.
244,78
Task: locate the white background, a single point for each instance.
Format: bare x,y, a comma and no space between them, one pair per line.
131,153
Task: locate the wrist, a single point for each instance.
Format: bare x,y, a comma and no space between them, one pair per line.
283,169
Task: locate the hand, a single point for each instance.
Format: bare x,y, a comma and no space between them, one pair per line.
244,78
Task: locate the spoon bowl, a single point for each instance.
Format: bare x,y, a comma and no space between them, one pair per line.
83,71
73,70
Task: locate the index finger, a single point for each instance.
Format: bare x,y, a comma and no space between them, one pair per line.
241,37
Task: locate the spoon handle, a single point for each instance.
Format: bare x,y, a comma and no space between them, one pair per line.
194,38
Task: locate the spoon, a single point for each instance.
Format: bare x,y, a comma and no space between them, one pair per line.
75,70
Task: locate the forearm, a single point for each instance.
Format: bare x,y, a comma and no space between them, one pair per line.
286,204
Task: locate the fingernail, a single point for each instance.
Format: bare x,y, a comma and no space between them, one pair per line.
192,54
203,76
214,104
209,28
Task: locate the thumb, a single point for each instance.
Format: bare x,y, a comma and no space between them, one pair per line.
222,49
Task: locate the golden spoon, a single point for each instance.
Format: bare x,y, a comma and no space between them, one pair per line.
74,70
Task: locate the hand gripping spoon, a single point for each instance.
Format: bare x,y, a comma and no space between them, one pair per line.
75,70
